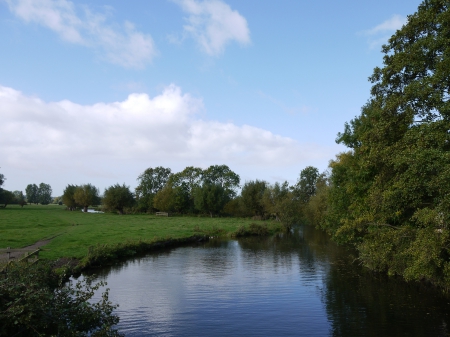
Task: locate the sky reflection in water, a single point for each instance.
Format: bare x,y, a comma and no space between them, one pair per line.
299,284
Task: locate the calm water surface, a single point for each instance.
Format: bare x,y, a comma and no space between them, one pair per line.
296,284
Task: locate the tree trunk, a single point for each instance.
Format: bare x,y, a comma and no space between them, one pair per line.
85,209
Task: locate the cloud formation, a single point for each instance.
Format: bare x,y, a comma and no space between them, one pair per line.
121,45
388,26
381,33
54,136
213,24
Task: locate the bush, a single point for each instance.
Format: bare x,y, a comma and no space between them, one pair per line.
35,301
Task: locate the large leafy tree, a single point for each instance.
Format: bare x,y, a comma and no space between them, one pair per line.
117,197
389,194
252,196
306,184
173,198
32,193
44,194
6,197
151,181
211,198
68,198
222,175
186,181
19,198
86,195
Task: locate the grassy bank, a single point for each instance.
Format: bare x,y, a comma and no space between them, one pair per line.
75,232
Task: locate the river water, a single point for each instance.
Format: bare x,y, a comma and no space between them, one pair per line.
295,284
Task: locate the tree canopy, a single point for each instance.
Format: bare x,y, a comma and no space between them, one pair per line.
151,181
44,194
68,198
32,193
86,195
389,194
118,197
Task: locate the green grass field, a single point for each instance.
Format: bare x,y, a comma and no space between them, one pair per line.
76,231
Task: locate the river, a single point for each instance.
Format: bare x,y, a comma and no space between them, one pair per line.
295,284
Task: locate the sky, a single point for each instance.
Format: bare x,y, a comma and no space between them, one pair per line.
97,92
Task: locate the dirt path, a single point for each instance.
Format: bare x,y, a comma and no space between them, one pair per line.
19,252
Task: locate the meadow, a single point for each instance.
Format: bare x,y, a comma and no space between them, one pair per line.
73,232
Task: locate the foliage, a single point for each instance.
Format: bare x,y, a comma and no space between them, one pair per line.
44,194
235,207
118,197
151,181
2,180
252,230
34,301
6,197
222,175
86,195
19,198
188,179
68,197
252,196
280,202
173,198
211,198
306,184
32,193
389,194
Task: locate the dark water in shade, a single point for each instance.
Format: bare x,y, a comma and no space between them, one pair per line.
296,284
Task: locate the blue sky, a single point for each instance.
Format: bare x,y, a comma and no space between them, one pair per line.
99,91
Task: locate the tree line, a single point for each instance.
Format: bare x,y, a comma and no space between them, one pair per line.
213,191
34,194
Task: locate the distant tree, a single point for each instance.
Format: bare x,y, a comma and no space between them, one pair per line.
211,198
6,197
252,196
44,194
316,209
68,198
32,193
172,198
306,185
118,197
223,176
87,195
2,180
19,198
235,207
150,181
187,181
280,201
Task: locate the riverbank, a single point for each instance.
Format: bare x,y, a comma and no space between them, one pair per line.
99,238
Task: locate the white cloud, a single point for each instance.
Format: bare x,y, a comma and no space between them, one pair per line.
381,33
388,26
126,137
213,24
124,45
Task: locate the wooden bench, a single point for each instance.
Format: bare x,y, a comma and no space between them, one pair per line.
162,213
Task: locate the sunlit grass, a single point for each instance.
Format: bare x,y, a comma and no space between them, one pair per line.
74,232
